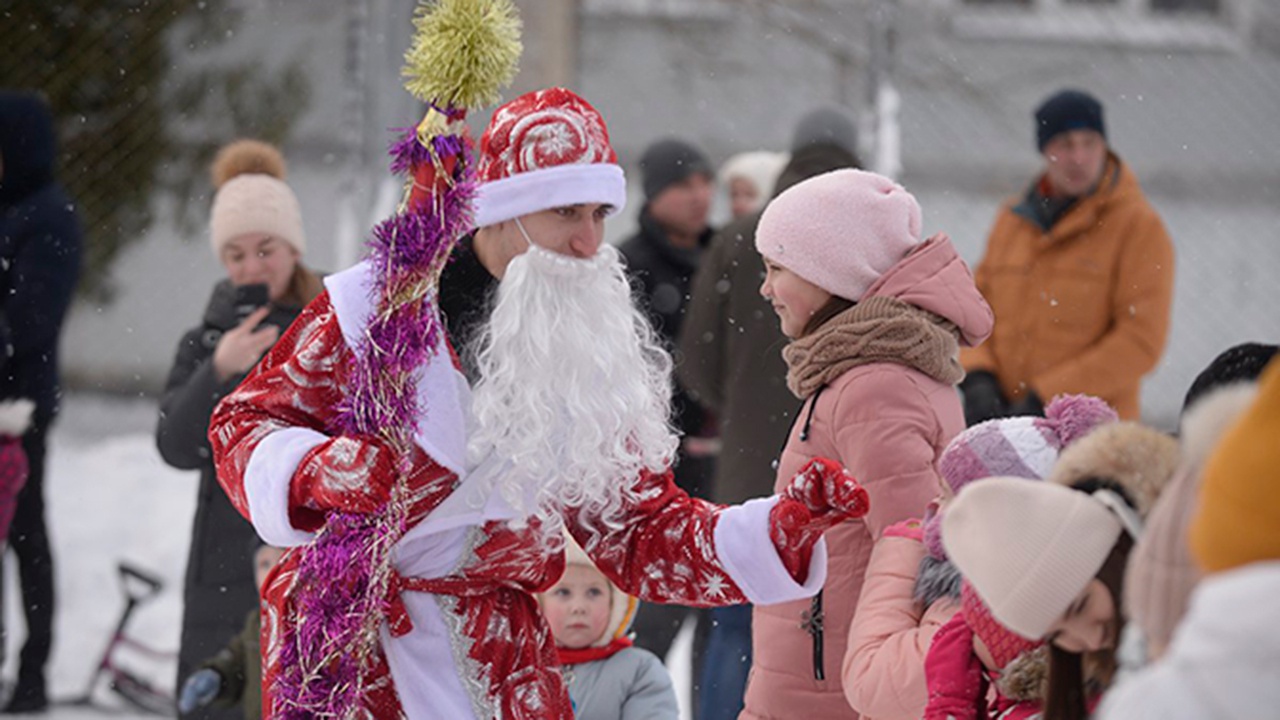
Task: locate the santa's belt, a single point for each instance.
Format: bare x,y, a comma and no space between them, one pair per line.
398,614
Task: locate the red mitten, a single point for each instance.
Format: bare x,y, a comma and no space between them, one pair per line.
820,496
954,675
828,491
349,474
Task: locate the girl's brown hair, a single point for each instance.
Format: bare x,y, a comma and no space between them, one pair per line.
832,308
1068,689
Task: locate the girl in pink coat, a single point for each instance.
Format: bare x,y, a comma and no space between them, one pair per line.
876,316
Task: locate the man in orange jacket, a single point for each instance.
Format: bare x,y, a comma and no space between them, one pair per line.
1079,272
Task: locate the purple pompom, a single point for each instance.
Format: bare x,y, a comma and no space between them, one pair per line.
1075,416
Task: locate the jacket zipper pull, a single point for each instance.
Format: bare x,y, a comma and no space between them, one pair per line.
811,622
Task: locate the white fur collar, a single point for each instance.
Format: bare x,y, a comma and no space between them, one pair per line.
444,398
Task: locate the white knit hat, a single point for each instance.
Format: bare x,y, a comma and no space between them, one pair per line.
1029,549
252,197
761,168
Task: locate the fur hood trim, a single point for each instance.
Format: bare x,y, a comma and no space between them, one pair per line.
1137,458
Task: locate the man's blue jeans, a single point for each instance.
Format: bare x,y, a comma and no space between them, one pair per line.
726,663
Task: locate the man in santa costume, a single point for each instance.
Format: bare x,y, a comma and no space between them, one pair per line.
567,426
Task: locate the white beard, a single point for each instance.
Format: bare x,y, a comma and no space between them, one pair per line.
574,390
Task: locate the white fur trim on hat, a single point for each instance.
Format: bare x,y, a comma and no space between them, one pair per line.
256,204
1028,548
547,188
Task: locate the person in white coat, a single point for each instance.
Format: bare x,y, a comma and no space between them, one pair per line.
1224,658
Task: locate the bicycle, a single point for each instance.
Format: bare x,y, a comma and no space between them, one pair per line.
138,587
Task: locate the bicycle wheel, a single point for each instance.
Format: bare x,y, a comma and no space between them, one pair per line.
142,695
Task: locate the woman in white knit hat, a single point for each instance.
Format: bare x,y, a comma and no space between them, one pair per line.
256,233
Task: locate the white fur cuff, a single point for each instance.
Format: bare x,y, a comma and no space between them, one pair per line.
266,483
748,554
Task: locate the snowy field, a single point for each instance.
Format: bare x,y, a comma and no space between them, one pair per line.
111,499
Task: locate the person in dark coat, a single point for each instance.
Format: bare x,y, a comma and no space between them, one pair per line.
661,259
233,677
40,246
732,349
256,230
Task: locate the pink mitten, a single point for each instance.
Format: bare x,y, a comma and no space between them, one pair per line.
954,675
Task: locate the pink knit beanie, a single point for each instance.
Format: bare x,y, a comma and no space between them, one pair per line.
1025,447
252,197
841,230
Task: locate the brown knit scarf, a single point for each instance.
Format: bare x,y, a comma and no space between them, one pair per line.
876,330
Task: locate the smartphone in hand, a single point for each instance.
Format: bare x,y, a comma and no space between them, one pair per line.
249,298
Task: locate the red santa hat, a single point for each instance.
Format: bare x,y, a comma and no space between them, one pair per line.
546,149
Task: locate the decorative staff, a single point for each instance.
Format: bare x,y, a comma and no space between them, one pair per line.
464,52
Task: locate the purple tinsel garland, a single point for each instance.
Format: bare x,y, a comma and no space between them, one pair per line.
343,574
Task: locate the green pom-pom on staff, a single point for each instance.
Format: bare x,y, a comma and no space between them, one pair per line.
464,52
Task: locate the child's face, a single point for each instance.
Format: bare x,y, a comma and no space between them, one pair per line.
794,299
578,606
263,560
1088,625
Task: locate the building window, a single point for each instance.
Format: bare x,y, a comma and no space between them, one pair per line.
1164,24
1212,7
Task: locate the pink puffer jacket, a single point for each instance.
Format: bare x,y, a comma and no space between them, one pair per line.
887,423
884,665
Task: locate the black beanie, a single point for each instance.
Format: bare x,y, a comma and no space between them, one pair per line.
1068,110
1240,363
669,161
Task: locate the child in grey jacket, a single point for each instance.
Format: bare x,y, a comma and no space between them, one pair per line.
608,678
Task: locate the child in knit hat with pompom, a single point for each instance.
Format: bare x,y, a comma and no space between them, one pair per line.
608,677
912,590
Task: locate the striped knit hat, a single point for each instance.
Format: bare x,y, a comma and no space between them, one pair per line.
1025,447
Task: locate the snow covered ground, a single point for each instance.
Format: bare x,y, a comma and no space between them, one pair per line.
111,499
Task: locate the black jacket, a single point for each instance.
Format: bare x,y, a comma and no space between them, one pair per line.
40,245
661,275
219,587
